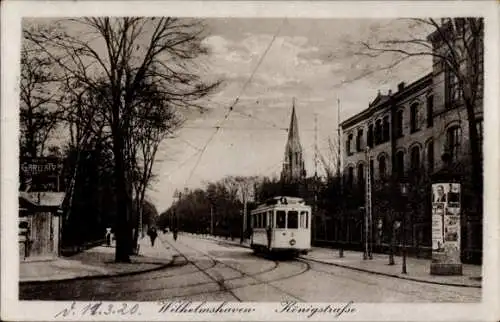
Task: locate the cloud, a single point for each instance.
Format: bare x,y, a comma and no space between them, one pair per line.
311,60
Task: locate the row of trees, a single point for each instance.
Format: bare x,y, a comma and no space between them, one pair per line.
114,87
217,208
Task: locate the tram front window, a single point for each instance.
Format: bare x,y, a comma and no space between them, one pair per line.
304,220
293,220
280,219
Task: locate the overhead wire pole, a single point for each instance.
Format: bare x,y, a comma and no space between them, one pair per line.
316,173
340,179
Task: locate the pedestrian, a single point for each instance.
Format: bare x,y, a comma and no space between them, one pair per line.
269,233
108,237
152,235
175,233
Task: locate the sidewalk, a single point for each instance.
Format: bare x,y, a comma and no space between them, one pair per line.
97,262
417,269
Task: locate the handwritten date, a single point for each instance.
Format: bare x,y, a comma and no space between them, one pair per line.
99,309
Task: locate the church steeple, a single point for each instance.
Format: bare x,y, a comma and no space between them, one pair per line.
293,166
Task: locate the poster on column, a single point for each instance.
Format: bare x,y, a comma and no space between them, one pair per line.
446,219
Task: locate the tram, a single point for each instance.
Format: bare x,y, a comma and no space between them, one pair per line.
281,224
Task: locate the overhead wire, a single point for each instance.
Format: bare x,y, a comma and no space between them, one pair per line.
226,116
271,123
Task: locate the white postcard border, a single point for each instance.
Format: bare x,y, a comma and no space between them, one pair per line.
12,309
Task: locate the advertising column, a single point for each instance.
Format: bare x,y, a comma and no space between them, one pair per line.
446,229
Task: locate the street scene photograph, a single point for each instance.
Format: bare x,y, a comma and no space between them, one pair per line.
231,159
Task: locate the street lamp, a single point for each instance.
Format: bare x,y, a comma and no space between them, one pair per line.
404,193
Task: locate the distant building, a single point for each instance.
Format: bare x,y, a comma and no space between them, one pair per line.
293,165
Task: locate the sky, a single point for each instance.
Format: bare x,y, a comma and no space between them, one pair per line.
314,61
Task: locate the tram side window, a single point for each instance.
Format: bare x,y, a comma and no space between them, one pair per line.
270,215
304,222
293,220
280,219
259,216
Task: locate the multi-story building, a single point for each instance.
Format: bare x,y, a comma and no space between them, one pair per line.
394,134
405,133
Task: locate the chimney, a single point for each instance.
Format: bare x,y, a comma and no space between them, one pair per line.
390,92
401,86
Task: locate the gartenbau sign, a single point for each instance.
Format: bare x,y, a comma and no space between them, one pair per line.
40,174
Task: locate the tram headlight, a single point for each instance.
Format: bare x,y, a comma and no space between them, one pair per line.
292,242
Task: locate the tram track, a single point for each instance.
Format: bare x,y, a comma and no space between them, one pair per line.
252,276
153,285
350,277
219,282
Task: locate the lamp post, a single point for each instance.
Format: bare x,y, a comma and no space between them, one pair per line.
404,193
365,216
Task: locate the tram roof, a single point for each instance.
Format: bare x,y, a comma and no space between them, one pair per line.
283,200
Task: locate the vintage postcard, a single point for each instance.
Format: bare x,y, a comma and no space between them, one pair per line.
250,161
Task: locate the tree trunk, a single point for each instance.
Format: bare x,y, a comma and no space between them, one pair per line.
138,224
123,232
477,180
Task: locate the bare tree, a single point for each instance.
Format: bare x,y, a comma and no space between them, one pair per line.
38,96
128,55
153,124
456,45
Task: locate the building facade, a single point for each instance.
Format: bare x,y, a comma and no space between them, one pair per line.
405,133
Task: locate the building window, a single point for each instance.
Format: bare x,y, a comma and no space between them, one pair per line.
430,157
479,127
414,118
350,176
359,140
378,132
430,111
400,164
348,144
453,138
361,175
369,138
453,92
415,159
399,124
382,167
372,170
386,129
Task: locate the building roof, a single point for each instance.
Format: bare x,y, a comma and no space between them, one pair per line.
44,199
382,101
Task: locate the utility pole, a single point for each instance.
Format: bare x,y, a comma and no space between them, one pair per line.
368,205
244,224
315,145
339,177
316,169
211,219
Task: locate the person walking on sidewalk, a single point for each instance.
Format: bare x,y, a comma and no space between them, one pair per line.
152,233
175,233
